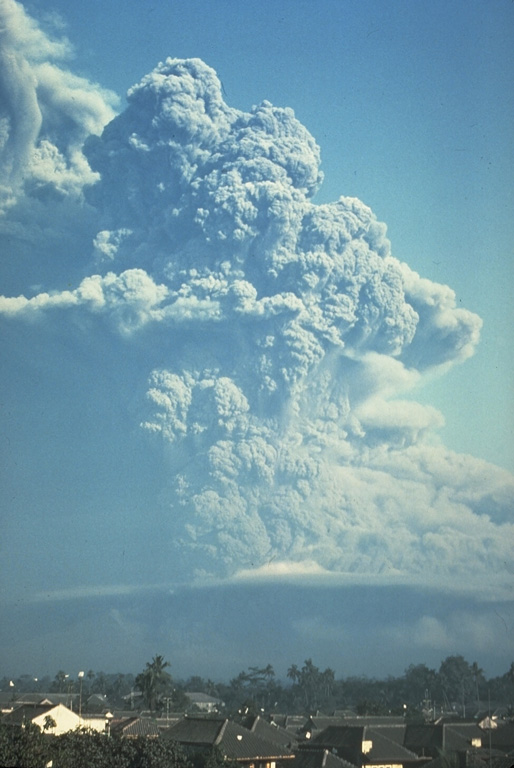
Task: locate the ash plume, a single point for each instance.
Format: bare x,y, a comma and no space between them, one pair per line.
291,336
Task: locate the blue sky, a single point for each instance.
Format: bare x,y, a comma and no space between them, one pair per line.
218,378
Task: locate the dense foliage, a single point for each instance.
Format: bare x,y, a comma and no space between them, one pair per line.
31,748
456,686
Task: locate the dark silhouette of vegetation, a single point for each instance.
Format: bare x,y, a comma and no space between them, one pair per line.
30,748
457,686
155,683
23,746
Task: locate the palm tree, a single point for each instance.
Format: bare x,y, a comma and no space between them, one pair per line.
327,680
293,673
310,678
154,681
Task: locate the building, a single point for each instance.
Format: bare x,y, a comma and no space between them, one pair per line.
135,727
50,718
203,702
432,739
366,747
233,741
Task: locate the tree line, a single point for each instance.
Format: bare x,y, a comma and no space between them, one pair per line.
456,685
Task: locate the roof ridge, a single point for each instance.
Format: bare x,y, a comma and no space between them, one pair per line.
221,732
392,741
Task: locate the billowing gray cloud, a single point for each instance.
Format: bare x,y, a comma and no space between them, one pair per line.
46,112
293,337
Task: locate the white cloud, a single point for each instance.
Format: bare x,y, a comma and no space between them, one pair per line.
46,112
280,570
286,338
131,299
485,630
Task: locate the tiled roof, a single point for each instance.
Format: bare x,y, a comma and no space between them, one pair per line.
198,697
346,742
316,723
456,734
166,722
501,737
375,721
135,726
269,731
393,732
421,738
196,731
386,749
26,713
431,738
503,762
235,741
318,758
238,743
291,723
7,699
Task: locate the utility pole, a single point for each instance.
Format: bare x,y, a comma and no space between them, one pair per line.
81,677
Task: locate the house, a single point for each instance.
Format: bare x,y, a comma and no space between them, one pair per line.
235,742
135,727
366,747
501,738
270,731
51,718
291,723
96,703
317,723
432,739
73,701
318,758
92,722
203,702
9,700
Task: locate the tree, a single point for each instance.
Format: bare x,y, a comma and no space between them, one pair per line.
23,746
311,686
478,677
254,690
327,681
419,684
59,681
49,723
90,677
293,673
154,682
456,680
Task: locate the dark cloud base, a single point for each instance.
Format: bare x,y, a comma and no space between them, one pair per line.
217,631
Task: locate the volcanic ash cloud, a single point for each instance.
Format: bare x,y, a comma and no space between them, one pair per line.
46,112
290,334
